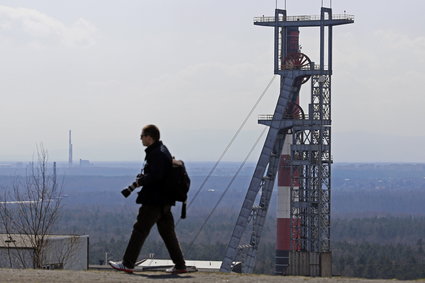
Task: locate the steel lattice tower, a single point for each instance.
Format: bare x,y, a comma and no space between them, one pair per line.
298,146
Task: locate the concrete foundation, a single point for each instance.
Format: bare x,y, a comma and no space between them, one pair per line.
310,264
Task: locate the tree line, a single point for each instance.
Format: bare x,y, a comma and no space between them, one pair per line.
371,247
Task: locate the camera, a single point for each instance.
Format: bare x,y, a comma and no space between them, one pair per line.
127,191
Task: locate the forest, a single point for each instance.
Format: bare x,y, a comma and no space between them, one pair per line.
376,247
378,217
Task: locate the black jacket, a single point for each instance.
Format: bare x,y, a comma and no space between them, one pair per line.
155,179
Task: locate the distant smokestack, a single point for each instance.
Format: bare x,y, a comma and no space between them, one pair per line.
70,150
54,172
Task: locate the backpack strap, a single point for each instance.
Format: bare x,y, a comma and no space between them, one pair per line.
183,213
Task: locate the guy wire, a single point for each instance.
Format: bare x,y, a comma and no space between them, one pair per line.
228,146
227,188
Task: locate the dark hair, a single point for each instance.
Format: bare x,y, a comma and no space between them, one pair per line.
152,131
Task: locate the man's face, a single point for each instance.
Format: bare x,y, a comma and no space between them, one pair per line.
146,140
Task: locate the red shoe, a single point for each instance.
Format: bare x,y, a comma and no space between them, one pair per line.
118,265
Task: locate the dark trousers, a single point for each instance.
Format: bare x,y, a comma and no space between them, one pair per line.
147,217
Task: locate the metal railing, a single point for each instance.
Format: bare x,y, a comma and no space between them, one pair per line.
269,117
313,66
265,117
264,19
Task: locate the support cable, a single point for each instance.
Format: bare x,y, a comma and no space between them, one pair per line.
227,189
229,144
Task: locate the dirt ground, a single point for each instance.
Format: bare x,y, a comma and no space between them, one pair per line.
63,276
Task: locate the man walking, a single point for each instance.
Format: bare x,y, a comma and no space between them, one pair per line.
156,204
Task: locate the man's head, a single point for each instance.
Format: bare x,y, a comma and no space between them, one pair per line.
150,134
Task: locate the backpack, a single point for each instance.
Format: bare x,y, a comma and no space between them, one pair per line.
180,184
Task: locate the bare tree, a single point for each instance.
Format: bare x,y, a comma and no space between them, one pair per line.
31,207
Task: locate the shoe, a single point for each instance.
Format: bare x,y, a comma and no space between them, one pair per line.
174,270
118,265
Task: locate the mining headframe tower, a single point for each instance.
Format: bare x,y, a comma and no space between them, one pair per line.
297,151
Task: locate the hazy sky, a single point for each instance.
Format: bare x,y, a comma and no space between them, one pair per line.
105,68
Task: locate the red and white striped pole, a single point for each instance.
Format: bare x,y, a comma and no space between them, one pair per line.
283,209
283,235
